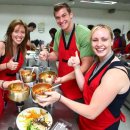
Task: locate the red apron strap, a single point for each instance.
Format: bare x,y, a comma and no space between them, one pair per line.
122,117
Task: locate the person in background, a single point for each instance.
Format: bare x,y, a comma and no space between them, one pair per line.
90,26
127,48
31,28
128,37
50,45
52,32
119,43
105,86
52,64
13,57
68,39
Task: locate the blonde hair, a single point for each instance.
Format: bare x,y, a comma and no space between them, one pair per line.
99,26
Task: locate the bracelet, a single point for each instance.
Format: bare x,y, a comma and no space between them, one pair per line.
59,98
2,84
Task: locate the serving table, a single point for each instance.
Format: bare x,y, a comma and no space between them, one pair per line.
57,110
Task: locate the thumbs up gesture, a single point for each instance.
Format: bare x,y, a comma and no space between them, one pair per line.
74,60
11,64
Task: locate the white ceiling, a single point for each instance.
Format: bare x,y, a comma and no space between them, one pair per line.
123,5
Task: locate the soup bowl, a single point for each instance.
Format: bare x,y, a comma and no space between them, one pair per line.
47,77
39,89
18,92
28,76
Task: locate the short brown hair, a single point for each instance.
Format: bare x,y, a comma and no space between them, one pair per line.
59,6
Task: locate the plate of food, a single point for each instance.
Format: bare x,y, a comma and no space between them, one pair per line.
34,118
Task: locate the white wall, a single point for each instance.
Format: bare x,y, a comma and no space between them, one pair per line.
38,14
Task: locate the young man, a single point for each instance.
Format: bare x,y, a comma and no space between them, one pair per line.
68,39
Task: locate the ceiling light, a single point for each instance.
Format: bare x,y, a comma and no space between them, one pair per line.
99,2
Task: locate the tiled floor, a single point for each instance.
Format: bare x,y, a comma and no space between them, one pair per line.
126,125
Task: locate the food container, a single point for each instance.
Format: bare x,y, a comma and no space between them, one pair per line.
28,76
39,89
18,92
47,77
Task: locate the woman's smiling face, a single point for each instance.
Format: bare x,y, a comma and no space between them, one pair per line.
18,34
101,42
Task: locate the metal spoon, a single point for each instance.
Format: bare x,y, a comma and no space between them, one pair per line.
32,70
21,79
55,86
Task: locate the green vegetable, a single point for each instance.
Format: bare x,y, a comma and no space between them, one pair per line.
31,126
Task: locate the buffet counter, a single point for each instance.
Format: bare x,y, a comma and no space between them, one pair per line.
58,111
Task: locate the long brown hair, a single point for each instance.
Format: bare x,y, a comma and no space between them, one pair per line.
9,40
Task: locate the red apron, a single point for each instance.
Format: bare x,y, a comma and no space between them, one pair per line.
9,75
127,50
70,88
117,45
105,119
1,101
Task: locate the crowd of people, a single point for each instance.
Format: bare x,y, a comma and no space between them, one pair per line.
95,82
